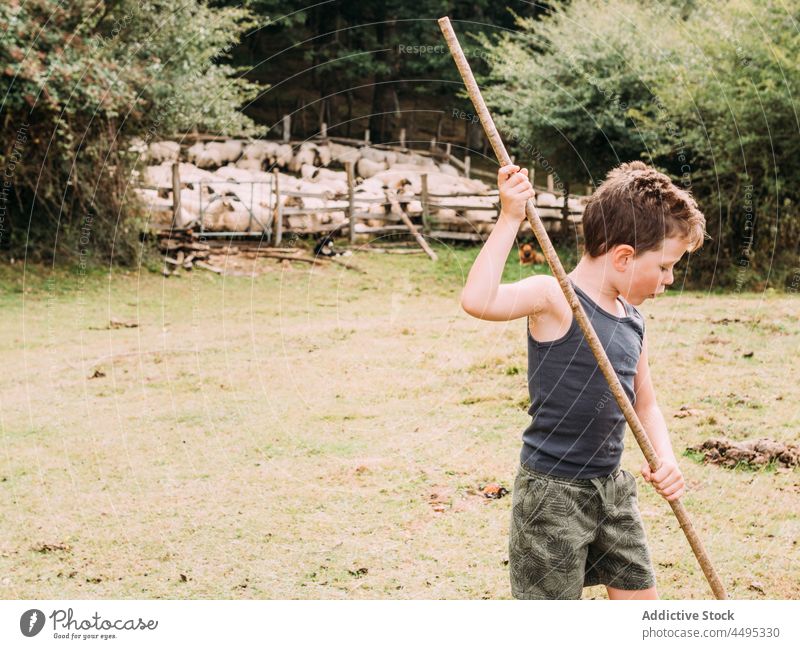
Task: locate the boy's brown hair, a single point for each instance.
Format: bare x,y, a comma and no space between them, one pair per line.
641,207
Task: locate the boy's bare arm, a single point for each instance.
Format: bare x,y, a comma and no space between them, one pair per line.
668,480
483,296
647,408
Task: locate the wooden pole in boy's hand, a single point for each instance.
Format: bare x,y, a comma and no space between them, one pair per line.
580,316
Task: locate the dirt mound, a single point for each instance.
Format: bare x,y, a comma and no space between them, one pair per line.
756,453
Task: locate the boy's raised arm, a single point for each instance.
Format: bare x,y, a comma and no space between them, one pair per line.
483,296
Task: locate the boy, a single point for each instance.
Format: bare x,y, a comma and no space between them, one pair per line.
575,520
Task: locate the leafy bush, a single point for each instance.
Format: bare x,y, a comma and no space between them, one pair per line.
83,78
704,91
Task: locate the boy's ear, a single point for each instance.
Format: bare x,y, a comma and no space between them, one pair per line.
621,256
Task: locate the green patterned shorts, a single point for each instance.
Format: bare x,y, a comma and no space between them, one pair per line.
567,533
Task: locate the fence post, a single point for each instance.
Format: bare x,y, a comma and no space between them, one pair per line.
200,202
278,208
565,210
323,131
403,138
447,151
176,195
287,127
426,217
252,199
366,136
550,183
433,145
350,207
531,173
466,165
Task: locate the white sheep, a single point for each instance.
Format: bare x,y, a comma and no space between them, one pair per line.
307,171
237,218
305,156
205,157
332,187
367,168
414,208
224,213
323,155
376,155
250,164
260,152
546,199
234,173
343,153
193,151
158,175
164,151
229,151
283,155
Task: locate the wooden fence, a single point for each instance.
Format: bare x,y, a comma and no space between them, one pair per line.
356,209
556,217
438,151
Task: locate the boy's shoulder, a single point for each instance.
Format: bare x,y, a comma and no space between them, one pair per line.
554,303
556,308
551,317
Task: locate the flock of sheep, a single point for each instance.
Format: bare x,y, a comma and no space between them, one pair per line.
228,186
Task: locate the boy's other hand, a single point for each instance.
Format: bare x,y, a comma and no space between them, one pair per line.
667,481
515,190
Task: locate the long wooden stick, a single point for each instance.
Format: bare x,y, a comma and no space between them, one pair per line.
591,337
391,195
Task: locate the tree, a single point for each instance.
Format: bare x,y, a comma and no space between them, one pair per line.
387,53
83,78
704,91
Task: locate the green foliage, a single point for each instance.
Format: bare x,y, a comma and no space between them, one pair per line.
566,82
703,90
372,38
83,77
375,58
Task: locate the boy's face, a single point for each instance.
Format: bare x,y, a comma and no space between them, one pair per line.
650,273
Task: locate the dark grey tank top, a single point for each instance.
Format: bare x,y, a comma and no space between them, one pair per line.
577,428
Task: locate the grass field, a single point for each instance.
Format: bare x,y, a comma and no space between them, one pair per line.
319,433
